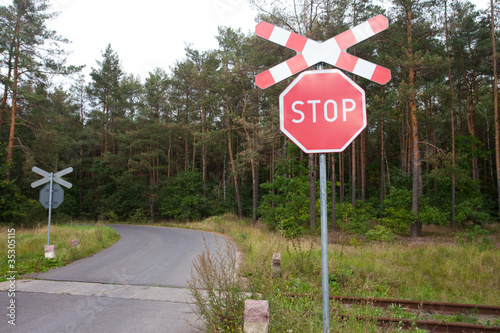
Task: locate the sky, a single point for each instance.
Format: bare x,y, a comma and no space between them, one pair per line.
145,34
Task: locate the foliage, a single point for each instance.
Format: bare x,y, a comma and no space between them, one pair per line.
476,235
182,197
354,219
380,233
286,210
472,210
397,210
429,214
128,140
14,206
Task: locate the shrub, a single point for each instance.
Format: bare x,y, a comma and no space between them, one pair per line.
381,234
182,197
354,220
287,210
472,210
397,210
473,236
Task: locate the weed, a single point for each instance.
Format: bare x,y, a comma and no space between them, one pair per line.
397,310
476,235
300,260
215,289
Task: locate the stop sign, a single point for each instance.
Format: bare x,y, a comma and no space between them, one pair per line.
322,111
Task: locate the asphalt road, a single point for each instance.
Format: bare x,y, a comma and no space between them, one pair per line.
146,256
137,285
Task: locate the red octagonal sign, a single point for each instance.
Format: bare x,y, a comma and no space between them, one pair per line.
322,111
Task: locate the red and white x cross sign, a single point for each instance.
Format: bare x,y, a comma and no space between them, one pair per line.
332,51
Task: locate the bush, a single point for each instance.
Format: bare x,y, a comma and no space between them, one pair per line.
476,235
354,220
381,234
472,210
287,210
397,210
182,197
14,206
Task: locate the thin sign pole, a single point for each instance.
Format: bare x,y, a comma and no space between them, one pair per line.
324,239
324,243
50,204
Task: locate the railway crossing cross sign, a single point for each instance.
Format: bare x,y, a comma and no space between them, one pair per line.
332,51
51,196
56,177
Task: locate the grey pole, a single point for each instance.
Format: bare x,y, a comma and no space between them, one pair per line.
324,243
50,204
324,239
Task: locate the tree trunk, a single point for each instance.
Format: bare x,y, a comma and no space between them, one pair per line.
6,87
452,118
363,164
312,192
353,174
12,133
471,102
255,194
231,160
169,156
106,128
203,147
194,153
382,160
254,165
495,102
341,176
415,225
334,194
186,149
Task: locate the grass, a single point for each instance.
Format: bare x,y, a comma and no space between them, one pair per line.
443,268
29,246
440,269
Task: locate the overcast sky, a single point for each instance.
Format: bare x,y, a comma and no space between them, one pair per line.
149,33
145,34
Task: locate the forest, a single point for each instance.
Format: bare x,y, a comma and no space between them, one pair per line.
200,138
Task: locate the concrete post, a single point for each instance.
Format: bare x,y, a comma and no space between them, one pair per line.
276,265
256,317
50,251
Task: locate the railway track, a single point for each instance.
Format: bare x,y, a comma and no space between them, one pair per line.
432,307
430,325
423,306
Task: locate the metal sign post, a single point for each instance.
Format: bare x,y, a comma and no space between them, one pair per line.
51,178
50,204
325,281
324,243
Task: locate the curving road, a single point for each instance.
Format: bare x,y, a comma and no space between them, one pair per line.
137,284
146,256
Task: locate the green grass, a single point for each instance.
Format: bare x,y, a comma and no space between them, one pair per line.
441,269
29,246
